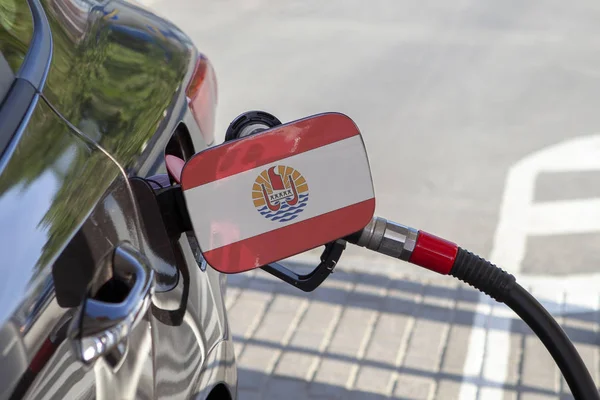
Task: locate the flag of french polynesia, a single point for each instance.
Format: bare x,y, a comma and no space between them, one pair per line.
278,193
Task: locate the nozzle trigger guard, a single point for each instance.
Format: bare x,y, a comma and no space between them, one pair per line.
309,282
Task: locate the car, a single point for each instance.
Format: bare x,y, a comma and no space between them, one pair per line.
103,294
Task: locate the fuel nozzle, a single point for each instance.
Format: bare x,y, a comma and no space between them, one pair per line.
433,253
406,243
386,237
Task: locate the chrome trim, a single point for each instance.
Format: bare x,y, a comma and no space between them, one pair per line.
101,327
389,238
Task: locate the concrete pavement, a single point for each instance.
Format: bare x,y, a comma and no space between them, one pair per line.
371,336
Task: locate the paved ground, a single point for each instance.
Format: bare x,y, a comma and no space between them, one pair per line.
369,336
481,121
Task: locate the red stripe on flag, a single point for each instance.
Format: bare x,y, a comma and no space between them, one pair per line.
254,151
282,243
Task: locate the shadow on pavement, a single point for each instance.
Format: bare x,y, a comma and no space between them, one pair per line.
403,306
438,305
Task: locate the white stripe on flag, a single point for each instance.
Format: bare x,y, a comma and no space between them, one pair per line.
222,212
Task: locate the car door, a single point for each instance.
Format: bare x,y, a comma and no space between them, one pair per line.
75,312
73,270
81,283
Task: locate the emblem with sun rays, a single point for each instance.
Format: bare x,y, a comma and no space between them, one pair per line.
280,193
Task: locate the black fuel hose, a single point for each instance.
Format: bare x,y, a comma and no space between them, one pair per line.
447,258
502,286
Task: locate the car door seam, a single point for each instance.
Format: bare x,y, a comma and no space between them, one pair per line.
97,146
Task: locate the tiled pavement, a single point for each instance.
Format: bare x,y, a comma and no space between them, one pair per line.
368,336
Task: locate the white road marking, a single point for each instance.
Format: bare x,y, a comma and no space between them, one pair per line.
519,218
564,217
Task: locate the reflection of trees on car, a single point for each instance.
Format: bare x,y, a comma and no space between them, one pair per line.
15,37
74,16
114,88
82,174
122,84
